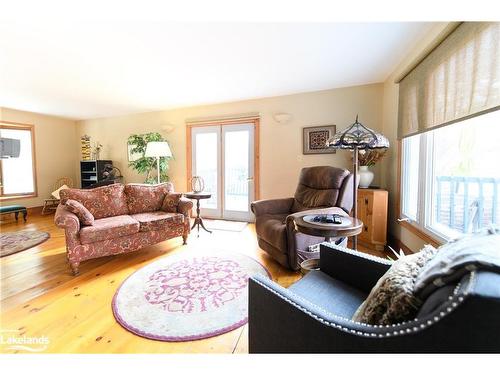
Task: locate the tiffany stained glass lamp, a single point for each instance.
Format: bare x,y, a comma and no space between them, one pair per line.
357,137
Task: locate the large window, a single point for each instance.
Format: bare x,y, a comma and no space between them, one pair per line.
450,177
17,169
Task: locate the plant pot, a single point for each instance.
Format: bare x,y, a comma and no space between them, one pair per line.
365,177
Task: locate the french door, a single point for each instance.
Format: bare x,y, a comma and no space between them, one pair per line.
224,156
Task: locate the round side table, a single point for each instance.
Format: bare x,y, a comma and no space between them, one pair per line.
198,221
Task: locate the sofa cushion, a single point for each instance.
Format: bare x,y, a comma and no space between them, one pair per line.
104,201
146,198
157,220
392,299
272,229
331,294
84,215
171,202
109,228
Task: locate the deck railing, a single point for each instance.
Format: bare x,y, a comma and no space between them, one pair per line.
467,204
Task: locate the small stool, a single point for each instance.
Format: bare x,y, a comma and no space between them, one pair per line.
14,209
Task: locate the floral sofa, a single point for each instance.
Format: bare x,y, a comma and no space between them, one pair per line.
123,218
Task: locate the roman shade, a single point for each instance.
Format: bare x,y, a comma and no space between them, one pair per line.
459,79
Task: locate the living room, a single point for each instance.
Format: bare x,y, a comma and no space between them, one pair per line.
251,188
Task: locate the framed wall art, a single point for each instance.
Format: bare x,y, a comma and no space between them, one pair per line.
314,139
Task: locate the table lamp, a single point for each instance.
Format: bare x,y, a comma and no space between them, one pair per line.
158,150
357,137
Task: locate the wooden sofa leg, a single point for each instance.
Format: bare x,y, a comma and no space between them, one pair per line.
184,239
75,267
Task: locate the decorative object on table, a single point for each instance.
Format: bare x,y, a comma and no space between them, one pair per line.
50,204
137,144
197,184
85,147
14,209
96,154
373,208
14,242
187,297
314,139
198,221
357,137
158,150
368,158
91,172
329,231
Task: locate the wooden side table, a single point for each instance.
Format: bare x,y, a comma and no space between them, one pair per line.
198,221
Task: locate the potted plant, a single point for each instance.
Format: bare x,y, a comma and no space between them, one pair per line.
145,165
368,158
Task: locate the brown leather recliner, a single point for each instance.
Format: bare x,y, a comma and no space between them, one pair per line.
321,190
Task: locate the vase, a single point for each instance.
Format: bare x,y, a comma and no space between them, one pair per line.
197,184
365,177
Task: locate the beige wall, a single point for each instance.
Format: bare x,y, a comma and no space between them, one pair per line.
390,124
280,144
55,144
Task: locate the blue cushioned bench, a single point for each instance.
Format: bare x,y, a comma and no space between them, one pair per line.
14,209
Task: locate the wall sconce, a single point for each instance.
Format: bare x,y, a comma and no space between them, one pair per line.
282,118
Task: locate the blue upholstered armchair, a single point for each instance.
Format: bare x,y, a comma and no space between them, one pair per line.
314,314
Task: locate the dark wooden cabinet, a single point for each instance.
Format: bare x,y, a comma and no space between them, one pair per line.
372,211
91,172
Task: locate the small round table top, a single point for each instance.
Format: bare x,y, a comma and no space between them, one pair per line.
200,195
353,228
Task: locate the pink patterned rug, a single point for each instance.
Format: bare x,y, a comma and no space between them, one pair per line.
14,242
187,297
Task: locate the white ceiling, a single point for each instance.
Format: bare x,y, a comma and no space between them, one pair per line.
95,70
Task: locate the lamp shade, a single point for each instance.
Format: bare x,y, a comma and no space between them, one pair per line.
158,149
358,136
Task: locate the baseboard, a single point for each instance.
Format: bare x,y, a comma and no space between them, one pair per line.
396,244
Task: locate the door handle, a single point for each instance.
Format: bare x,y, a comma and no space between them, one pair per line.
250,179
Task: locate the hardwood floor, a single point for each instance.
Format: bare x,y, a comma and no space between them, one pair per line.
40,297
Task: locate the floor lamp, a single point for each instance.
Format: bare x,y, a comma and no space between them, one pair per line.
357,137
158,150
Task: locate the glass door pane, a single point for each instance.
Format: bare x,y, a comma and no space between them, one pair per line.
238,171
206,161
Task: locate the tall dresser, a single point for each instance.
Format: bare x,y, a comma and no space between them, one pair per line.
372,211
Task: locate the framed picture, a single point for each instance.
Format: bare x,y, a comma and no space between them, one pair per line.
314,139
133,156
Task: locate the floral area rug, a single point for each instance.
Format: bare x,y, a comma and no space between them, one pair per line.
14,242
187,296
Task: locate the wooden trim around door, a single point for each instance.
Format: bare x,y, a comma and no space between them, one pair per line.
31,128
256,157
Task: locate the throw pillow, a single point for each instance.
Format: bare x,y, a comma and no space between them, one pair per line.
55,193
84,215
392,299
171,202
459,257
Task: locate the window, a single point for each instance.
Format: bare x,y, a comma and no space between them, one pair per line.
17,155
450,179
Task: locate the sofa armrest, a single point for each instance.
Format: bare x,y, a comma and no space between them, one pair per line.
71,224
184,207
352,267
65,219
272,206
